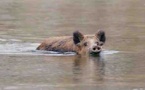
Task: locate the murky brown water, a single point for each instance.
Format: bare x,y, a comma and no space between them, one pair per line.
25,23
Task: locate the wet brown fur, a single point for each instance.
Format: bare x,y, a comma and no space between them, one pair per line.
61,44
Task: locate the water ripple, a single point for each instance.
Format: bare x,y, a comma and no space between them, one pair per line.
30,49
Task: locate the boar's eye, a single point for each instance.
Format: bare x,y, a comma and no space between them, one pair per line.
97,43
101,43
85,44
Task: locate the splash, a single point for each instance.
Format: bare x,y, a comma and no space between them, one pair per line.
28,49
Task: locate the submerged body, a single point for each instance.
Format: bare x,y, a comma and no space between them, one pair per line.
78,43
61,44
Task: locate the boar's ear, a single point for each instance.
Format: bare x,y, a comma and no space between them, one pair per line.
101,36
77,37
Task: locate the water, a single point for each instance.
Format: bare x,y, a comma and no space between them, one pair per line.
25,23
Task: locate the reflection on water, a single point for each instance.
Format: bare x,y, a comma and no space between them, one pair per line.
91,68
70,72
25,23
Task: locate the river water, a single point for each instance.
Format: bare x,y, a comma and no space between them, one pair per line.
25,23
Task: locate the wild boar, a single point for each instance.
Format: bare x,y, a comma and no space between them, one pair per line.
79,43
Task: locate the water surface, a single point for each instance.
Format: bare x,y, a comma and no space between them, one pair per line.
25,23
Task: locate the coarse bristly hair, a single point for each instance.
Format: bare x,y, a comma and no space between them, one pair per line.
78,43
